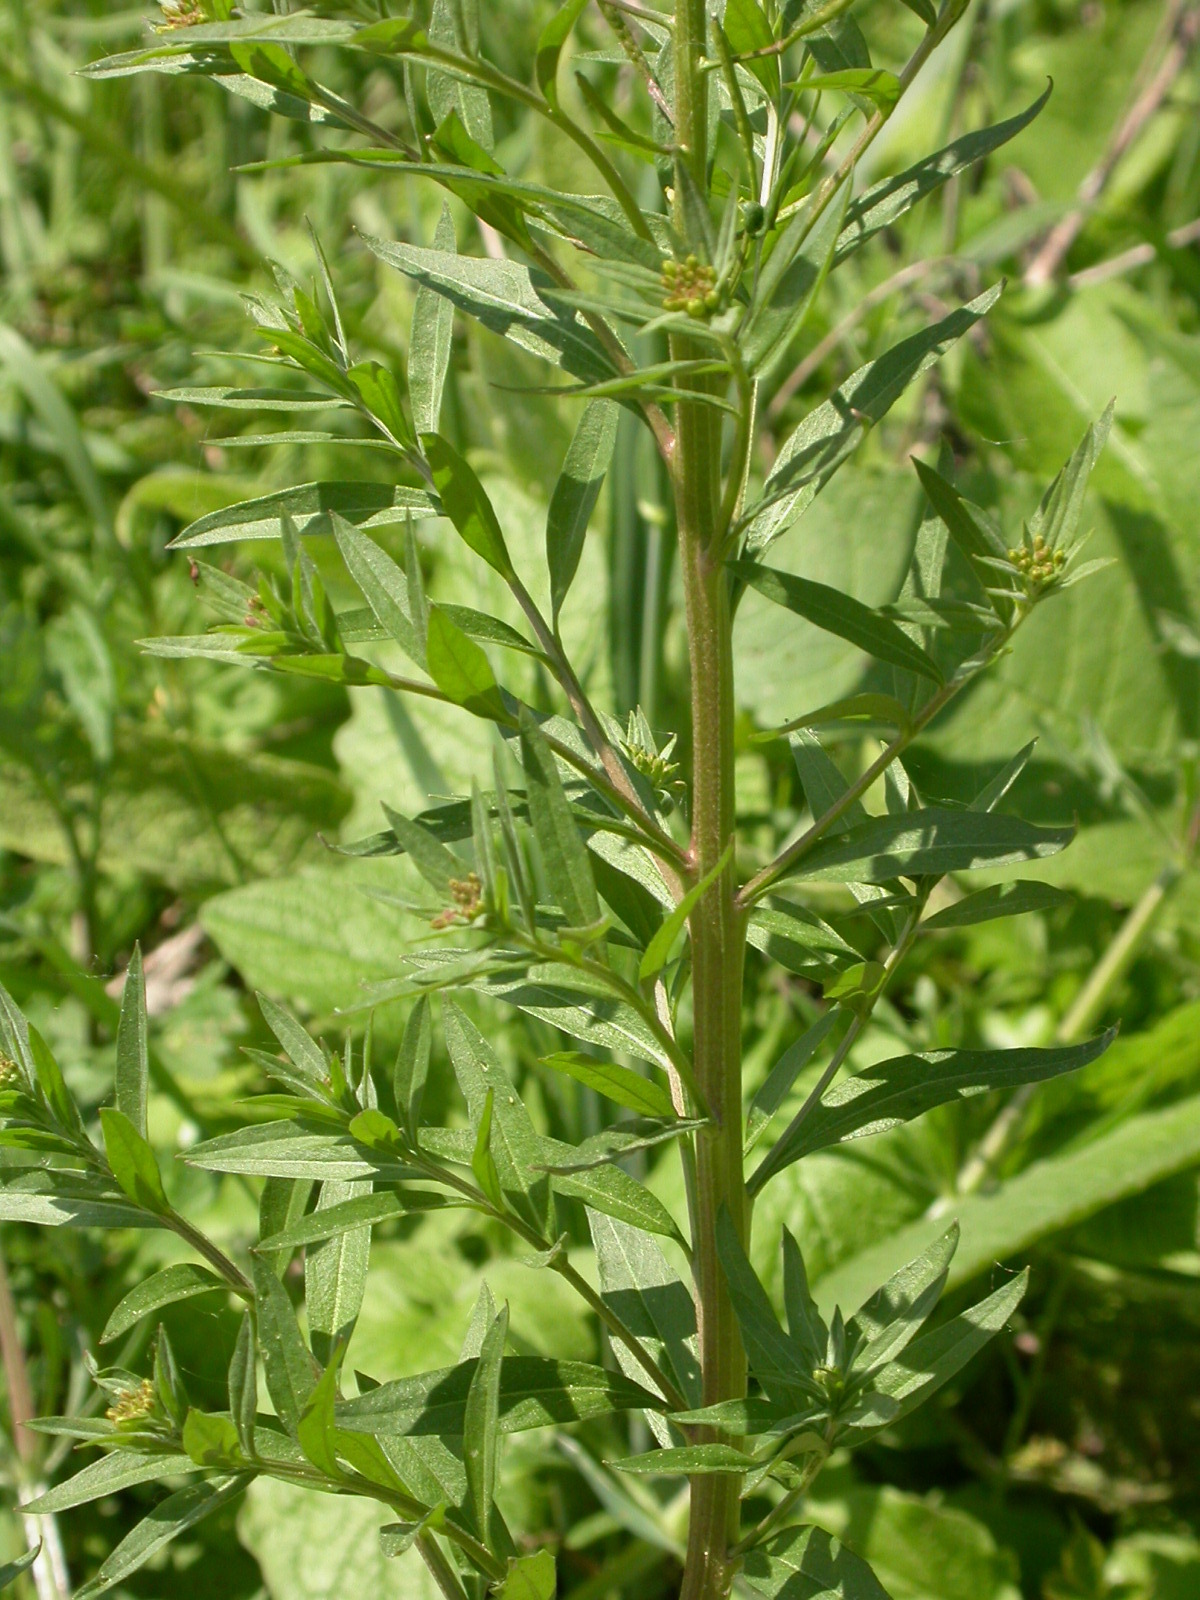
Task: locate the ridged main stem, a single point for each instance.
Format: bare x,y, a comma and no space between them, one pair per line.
717,926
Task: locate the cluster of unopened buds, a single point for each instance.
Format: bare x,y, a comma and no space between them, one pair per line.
1039,564
691,286
9,1073
133,1404
182,13
467,894
655,765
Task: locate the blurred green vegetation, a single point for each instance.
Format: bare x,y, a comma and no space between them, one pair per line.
193,808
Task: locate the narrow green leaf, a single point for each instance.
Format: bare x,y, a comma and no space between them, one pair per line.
12,1570
412,1065
133,1046
805,1323
612,1191
828,436
516,302
639,1284
887,201
431,340
513,1144
132,1161
1012,899
775,1359
175,1515
164,1288
535,1392
895,1313
383,585
564,854
243,1384
575,495
881,88
367,1209
929,843
790,285
483,1163
481,1425
312,507
439,866
550,45
461,669
658,951
112,1473
303,1051
335,1273
840,614
287,1364
620,1084
316,1431
465,502
379,393
891,1092
748,31
783,1075
687,1461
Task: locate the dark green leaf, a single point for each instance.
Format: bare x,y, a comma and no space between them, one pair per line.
431,339
895,1313
176,1514
886,202
575,495
775,1359
1010,899
461,669
783,1075
687,1461
243,1384
534,1393
840,614
481,1425
809,1564
929,843
895,1091
133,1047
384,586
289,1368
465,502
112,1473
564,854
335,1273
638,1283
164,1288
311,506
620,1084
132,1161
412,1066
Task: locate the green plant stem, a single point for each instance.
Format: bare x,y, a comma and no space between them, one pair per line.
782,1508
234,1277
440,1570
717,926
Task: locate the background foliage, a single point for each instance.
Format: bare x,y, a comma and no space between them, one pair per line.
194,808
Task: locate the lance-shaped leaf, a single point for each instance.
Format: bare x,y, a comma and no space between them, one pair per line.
513,1144
575,495
133,1162
887,201
311,507
891,1092
658,951
181,1282
176,1514
363,1211
412,1065
777,1361
112,1473
973,531
840,614
550,45
638,1283
581,1004
335,1273
564,854
829,435
430,342
622,1085
929,843
783,1075
687,1461
461,669
133,1046
287,1364
383,585
936,1357
1056,519
12,1570
481,1425
789,286
895,1313
535,1392
514,301
464,500
1012,899
809,1564
610,1190
243,1384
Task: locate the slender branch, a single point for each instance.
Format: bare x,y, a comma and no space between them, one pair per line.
234,1277
1182,29
777,1157
762,881
1138,255
780,1510
440,1570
